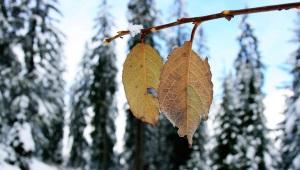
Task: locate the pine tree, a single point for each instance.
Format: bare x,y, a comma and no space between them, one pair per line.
179,34
101,95
27,26
227,129
134,148
13,119
80,104
141,13
255,149
9,65
142,149
290,149
42,46
198,156
178,148
94,92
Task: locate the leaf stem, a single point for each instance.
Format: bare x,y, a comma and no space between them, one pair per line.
194,30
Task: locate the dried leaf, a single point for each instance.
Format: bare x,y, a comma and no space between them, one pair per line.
141,72
185,90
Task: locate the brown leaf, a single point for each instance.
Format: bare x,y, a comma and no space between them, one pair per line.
185,91
141,73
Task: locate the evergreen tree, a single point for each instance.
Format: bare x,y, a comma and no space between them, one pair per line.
13,120
27,34
142,149
255,149
290,149
94,92
134,148
42,47
198,156
80,104
179,34
141,13
101,95
227,129
179,152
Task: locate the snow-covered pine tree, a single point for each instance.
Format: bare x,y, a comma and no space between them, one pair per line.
80,104
10,67
254,148
199,156
178,151
16,143
143,149
43,83
141,13
179,34
290,149
133,154
226,131
94,93
13,125
101,95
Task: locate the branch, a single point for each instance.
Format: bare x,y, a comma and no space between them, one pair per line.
228,14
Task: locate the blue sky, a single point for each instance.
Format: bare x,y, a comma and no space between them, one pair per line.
273,29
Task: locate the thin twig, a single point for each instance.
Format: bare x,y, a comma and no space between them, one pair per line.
228,14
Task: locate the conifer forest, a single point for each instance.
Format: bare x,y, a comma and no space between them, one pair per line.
149,85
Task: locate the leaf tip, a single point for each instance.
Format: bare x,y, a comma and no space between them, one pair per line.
190,140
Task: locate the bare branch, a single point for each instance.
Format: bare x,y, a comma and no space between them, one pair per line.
227,14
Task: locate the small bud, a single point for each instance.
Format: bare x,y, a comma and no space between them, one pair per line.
153,30
226,12
179,19
105,42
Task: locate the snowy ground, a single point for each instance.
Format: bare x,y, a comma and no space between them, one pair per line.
34,165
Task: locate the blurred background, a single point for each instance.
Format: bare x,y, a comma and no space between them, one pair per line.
63,106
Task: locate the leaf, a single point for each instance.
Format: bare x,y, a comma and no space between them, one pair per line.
185,91
141,73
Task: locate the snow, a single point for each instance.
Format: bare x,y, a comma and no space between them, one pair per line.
297,105
24,101
296,162
134,29
3,154
26,137
38,165
250,128
230,159
268,159
6,166
34,164
251,152
289,124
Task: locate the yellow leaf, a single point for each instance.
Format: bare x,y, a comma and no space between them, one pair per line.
141,73
185,90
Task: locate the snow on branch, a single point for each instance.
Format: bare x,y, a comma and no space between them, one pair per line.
134,29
